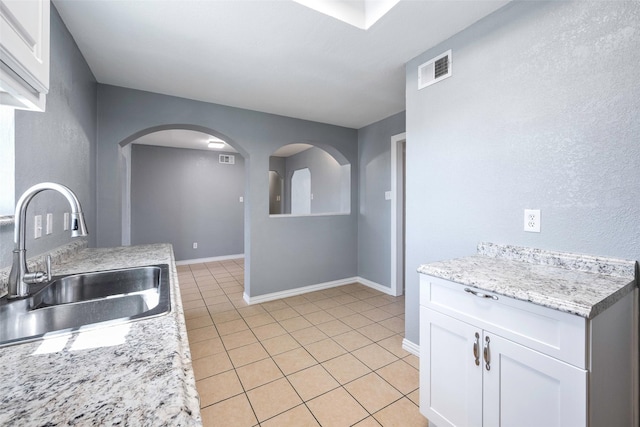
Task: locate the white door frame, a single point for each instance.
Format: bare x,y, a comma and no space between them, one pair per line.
397,214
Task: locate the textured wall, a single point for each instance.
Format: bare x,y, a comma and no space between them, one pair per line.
181,196
280,253
543,112
374,216
57,145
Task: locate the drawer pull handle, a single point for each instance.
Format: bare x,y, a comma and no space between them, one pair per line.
476,349
487,354
480,294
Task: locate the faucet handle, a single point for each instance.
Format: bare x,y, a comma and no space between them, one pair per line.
39,276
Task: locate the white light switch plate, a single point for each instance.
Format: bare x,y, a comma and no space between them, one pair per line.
387,195
49,223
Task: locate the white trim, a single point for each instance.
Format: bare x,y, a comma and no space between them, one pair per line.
411,347
125,183
374,285
313,288
212,259
298,291
309,214
397,202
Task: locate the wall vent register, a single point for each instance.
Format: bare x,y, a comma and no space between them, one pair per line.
433,71
227,159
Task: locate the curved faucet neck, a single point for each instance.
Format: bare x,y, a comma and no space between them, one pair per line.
18,287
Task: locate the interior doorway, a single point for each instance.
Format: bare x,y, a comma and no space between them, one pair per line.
203,174
398,166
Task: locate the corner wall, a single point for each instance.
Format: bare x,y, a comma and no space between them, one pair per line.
57,145
543,112
374,212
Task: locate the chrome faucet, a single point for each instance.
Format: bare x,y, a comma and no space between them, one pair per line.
20,278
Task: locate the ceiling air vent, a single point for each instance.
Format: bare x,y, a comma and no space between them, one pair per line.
227,159
434,70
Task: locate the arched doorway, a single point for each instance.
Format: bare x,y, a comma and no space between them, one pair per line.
184,185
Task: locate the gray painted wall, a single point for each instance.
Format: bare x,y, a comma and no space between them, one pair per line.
282,253
327,186
182,196
57,145
374,216
542,111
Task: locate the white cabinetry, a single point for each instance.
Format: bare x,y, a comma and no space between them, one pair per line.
504,362
24,53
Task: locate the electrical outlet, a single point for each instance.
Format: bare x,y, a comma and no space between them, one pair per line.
37,227
49,223
532,220
195,245
65,221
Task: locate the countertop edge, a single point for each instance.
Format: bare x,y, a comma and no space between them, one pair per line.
71,383
542,282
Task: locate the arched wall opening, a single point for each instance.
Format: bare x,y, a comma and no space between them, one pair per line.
313,179
183,193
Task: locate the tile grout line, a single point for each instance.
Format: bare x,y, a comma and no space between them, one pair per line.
292,303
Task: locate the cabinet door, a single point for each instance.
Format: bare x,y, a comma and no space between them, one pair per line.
24,40
523,387
450,380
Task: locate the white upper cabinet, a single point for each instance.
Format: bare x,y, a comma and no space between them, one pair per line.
24,53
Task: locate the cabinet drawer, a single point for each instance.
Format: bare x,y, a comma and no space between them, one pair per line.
552,332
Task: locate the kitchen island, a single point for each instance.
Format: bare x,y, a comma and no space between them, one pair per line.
137,373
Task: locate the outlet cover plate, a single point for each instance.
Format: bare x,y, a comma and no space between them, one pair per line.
37,227
532,220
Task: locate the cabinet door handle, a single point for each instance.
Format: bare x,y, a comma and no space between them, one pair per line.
480,294
476,349
487,354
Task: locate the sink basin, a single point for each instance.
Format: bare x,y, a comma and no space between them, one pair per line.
87,300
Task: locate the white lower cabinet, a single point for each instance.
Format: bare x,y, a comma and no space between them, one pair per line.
476,378
483,362
450,380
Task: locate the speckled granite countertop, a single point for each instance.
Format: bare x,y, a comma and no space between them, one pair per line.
577,284
136,374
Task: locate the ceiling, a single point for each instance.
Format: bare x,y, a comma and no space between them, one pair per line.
194,140
274,56
183,138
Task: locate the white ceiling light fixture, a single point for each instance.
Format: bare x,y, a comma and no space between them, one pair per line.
359,13
216,143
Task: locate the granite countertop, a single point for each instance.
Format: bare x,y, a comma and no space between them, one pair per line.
137,373
578,284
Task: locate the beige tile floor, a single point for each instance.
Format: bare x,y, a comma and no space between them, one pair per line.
328,358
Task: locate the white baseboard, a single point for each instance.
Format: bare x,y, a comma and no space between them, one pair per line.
312,288
297,291
411,347
213,259
374,285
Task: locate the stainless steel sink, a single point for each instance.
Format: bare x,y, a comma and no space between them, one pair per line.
88,300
